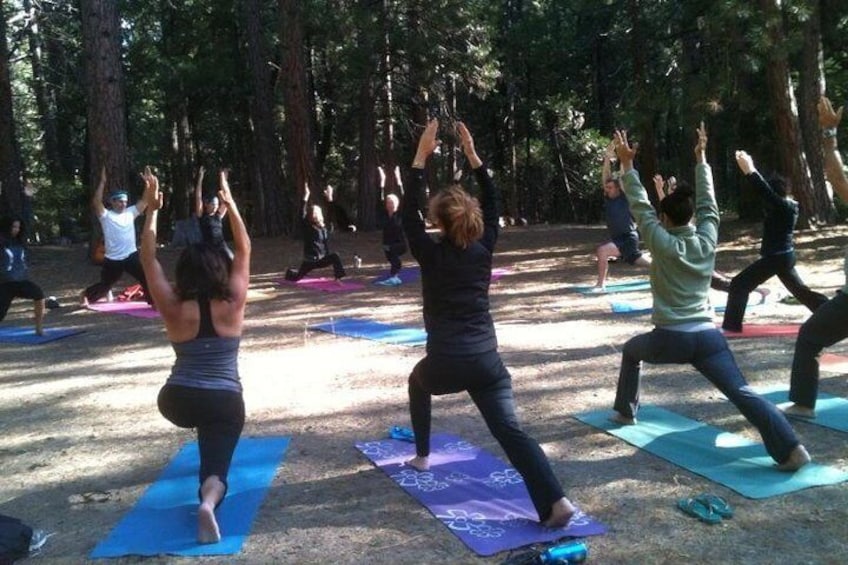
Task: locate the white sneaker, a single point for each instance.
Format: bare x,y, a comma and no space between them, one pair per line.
37,541
597,290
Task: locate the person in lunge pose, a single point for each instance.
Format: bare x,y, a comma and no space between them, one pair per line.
394,244
462,352
118,223
14,275
316,239
684,256
210,213
829,323
624,239
777,250
203,313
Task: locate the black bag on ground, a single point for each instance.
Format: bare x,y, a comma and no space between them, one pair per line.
14,539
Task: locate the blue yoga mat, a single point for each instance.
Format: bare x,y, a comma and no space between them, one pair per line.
718,300
624,286
164,520
26,336
728,459
831,411
377,331
406,274
478,497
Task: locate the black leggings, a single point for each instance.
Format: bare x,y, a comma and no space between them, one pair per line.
17,289
330,259
111,271
218,416
489,384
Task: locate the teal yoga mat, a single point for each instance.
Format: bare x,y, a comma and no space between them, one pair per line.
376,331
728,459
164,520
624,286
831,411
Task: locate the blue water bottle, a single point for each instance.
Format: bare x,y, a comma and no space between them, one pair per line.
564,553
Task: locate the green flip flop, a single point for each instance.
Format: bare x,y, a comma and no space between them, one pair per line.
716,503
698,509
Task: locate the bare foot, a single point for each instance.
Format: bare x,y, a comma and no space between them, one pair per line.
798,411
561,512
620,418
83,300
39,331
207,526
797,459
419,463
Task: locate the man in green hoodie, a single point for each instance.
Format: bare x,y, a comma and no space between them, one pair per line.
683,261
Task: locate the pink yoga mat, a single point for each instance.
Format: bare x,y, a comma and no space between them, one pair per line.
136,309
324,284
764,330
833,363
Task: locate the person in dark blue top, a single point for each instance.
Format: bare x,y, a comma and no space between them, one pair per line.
316,241
394,244
777,249
624,239
203,314
462,352
14,273
210,215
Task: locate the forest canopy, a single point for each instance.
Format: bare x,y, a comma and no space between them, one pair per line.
288,92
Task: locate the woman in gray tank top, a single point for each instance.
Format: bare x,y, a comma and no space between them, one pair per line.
203,314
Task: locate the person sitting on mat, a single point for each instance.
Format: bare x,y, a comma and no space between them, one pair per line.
462,352
210,214
316,238
777,251
118,225
394,244
14,273
684,332
624,239
829,323
203,313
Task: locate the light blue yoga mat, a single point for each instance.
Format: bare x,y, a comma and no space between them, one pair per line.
718,300
728,459
164,520
831,411
26,336
624,286
376,331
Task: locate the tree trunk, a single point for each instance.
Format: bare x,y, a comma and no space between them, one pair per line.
811,88
45,97
785,112
107,127
11,187
551,124
645,129
271,209
297,126
388,132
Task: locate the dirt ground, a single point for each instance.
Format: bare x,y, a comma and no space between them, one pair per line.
82,438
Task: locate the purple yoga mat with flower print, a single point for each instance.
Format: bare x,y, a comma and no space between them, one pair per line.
478,497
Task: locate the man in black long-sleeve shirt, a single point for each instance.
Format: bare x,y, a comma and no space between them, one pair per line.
777,250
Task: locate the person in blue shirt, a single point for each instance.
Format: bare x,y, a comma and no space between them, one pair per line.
14,273
624,239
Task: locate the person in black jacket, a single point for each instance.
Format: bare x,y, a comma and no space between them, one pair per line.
462,352
316,249
777,250
394,245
